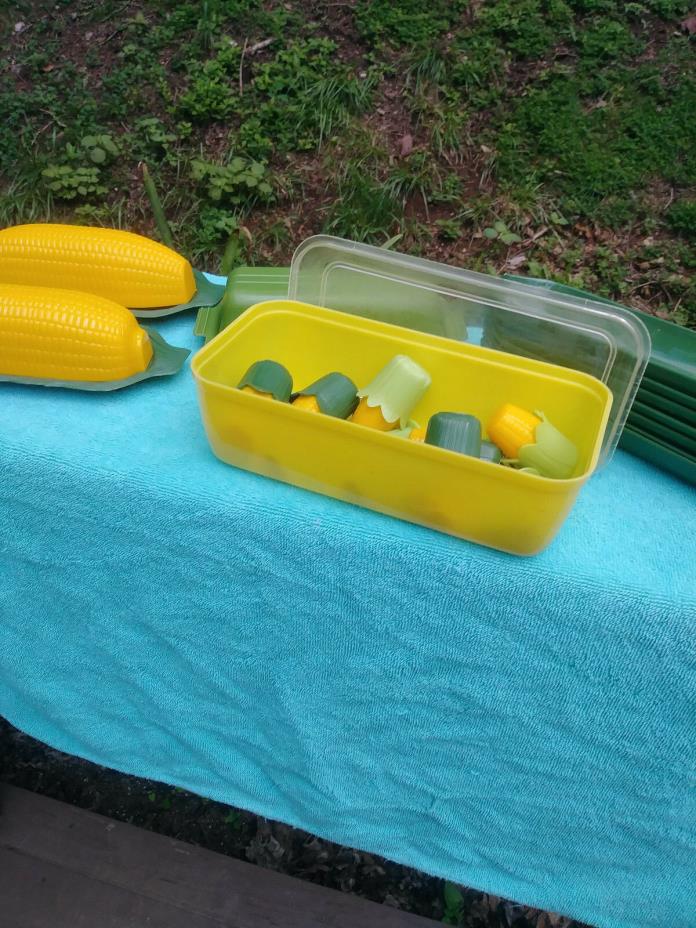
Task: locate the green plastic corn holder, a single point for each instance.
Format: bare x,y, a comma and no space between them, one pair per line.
268,377
456,432
336,394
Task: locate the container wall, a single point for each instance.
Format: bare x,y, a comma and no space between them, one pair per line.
460,495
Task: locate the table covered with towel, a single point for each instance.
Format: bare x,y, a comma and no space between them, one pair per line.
521,726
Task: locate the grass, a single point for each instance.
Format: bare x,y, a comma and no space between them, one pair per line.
554,134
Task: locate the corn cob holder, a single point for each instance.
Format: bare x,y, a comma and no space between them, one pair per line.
412,431
333,395
134,271
490,452
529,441
388,400
65,338
455,431
245,287
267,378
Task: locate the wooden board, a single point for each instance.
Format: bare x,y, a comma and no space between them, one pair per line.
63,867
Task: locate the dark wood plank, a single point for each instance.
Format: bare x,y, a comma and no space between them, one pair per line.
82,858
39,894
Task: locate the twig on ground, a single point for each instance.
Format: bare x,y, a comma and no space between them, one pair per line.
259,45
241,66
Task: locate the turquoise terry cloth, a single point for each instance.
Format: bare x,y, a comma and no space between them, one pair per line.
524,726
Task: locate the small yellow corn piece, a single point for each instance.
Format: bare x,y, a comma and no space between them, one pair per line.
372,417
307,402
50,334
418,434
512,427
121,266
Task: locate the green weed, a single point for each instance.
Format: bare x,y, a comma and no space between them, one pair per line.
233,819
449,190
98,148
300,97
212,92
499,231
607,42
447,120
528,28
449,229
454,904
215,226
149,140
408,22
24,199
332,101
67,182
478,68
208,23
107,215
415,175
427,68
597,157
682,217
239,183
668,9
365,209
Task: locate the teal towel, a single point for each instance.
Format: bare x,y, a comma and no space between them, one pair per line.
524,726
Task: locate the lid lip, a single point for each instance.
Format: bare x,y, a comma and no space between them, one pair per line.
626,335
512,284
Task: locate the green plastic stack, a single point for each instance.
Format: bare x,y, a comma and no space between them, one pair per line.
245,287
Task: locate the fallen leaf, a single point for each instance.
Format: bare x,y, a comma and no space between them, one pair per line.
689,24
406,145
517,261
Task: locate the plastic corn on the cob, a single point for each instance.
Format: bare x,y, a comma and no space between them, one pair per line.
307,402
66,335
511,427
121,266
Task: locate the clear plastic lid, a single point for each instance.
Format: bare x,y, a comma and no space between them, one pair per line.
589,335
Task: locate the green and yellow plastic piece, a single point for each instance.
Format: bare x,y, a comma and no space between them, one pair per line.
267,378
455,431
388,400
529,441
333,395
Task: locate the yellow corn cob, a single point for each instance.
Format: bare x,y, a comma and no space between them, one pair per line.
66,335
372,417
121,266
307,402
512,427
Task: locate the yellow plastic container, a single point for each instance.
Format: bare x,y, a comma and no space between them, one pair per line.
460,495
